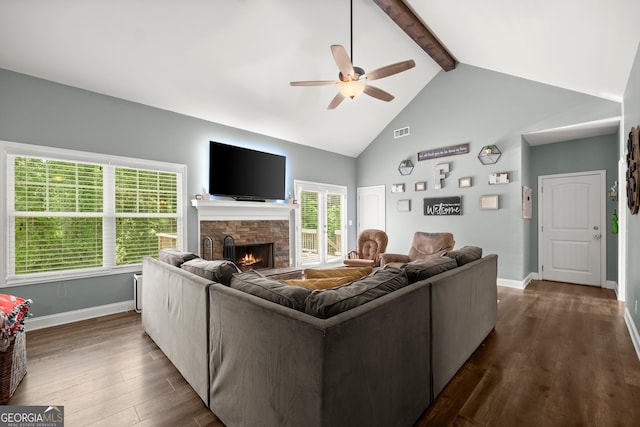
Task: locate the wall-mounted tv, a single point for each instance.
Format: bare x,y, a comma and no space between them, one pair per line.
246,174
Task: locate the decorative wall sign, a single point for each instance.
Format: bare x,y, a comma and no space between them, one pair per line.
499,178
527,202
404,205
451,150
490,201
465,182
397,188
439,172
421,186
633,170
441,206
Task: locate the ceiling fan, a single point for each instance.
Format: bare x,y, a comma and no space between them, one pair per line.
352,80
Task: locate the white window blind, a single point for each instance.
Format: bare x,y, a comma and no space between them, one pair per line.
66,217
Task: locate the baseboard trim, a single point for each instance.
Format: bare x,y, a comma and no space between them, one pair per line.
610,284
635,337
515,284
57,319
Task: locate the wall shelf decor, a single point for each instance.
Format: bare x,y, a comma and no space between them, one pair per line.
406,167
499,178
490,201
465,182
397,188
421,186
489,154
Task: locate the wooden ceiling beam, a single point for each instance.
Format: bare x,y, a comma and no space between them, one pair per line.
404,17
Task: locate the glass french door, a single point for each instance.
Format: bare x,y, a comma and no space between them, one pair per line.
321,223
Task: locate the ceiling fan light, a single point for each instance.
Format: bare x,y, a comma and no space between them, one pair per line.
351,89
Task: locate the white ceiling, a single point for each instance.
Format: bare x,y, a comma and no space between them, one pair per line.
231,61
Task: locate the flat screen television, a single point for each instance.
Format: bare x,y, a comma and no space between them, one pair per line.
246,174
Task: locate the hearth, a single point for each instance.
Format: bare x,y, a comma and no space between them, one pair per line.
255,256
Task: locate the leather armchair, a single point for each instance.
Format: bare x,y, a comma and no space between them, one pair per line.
424,246
371,243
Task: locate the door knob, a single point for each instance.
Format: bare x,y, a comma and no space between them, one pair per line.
596,236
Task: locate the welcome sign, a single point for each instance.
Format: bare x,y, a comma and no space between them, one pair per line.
443,206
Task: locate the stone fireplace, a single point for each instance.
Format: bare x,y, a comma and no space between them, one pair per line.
259,227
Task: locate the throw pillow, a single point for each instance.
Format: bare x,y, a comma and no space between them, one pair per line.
322,283
420,270
465,255
329,302
353,272
256,284
219,271
175,257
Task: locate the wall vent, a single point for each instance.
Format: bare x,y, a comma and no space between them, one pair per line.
399,133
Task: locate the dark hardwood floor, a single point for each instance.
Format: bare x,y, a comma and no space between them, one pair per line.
560,355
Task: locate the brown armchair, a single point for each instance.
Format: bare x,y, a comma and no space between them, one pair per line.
424,246
371,243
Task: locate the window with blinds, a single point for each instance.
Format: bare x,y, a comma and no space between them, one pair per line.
65,217
146,212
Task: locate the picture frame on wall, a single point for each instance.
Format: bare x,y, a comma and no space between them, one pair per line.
404,205
397,188
490,202
465,182
421,186
499,178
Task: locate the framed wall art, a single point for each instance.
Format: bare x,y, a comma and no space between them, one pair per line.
465,182
404,205
397,188
421,186
490,201
499,178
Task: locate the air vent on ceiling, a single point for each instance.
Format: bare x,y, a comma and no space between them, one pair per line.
399,133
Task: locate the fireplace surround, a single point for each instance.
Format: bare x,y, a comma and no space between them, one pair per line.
248,224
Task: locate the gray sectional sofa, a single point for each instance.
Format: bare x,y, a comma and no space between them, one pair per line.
374,352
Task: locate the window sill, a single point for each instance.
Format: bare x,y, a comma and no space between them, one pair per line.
63,277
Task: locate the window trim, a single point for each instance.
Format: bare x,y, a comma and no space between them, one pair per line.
8,148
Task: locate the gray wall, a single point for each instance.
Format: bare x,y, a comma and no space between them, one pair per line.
482,107
581,155
40,112
632,119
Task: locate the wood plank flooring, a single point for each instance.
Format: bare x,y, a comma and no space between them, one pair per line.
560,355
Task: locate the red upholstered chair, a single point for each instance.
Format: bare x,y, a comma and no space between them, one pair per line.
424,246
371,243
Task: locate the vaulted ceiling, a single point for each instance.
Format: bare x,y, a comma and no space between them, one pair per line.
231,61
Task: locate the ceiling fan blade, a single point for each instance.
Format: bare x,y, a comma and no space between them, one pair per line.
315,83
378,93
342,60
390,70
335,101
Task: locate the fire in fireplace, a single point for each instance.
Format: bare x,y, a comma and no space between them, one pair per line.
248,257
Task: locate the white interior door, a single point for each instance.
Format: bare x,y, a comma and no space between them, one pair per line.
371,208
572,234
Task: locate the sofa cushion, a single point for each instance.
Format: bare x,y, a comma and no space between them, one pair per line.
219,271
329,302
256,284
465,254
420,270
352,272
321,283
175,257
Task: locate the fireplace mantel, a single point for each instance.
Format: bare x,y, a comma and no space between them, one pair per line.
230,210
